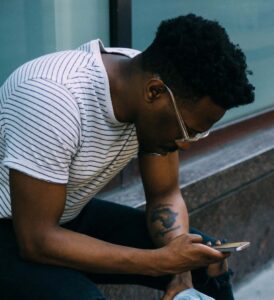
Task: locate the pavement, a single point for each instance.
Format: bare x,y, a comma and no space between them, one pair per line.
257,286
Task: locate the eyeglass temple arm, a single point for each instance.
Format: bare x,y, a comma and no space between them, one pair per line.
183,127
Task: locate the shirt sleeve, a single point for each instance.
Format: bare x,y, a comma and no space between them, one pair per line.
41,128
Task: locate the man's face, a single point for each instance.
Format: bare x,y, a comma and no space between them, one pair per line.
160,128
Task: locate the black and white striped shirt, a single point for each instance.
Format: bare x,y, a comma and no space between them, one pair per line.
57,124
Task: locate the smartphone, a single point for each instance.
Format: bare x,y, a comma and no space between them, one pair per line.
232,247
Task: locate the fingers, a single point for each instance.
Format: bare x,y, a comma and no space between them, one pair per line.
190,253
167,297
210,254
196,238
206,253
217,243
207,249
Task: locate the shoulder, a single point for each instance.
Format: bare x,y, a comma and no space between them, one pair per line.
42,102
56,67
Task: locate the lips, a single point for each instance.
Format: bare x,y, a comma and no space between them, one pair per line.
171,149
162,150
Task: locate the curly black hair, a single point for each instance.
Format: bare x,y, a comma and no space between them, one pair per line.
195,58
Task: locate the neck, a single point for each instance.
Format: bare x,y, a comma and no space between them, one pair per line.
125,77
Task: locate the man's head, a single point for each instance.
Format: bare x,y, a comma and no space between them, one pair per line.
193,60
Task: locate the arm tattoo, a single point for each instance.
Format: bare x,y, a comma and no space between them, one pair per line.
167,217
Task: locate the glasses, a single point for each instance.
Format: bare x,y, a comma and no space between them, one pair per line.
186,137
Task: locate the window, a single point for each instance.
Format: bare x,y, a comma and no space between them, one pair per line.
248,23
31,28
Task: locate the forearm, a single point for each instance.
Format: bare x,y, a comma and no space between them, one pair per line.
66,248
167,218
165,229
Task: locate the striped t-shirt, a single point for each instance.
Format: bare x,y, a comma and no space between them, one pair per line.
57,124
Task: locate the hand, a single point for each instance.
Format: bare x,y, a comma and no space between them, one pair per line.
218,268
179,283
186,253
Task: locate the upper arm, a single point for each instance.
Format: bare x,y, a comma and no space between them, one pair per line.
41,130
37,206
160,175
41,127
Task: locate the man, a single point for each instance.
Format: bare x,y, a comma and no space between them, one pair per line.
72,120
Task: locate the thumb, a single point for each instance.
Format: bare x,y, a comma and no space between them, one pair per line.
168,296
196,238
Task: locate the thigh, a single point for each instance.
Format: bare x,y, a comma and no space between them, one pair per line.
24,280
114,223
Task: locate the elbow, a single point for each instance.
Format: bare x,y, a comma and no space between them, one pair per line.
30,251
26,253
34,249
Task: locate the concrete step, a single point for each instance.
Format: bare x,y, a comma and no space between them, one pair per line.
258,285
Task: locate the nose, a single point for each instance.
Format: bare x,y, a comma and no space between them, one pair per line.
183,145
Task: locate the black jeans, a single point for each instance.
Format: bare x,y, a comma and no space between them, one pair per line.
20,279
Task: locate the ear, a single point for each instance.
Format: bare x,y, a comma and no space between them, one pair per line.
154,89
